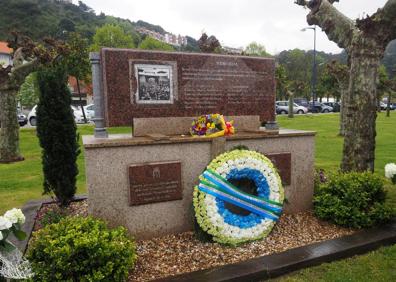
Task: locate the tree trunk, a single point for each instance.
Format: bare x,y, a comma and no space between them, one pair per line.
291,106
81,104
365,41
344,97
9,133
360,111
388,104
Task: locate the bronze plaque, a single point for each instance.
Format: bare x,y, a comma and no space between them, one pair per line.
154,182
282,162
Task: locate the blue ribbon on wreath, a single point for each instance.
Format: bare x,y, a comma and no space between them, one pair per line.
217,186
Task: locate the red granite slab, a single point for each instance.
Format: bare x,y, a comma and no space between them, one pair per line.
142,84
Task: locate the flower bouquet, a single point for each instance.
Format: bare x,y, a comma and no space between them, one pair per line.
212,125
12,263
390,172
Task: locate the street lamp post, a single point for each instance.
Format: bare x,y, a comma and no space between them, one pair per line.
314,71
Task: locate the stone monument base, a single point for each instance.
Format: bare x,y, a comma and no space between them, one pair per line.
146,183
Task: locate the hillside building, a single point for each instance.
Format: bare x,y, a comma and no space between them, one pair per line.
172,39
5,54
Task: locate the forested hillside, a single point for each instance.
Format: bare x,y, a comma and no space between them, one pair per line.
41,18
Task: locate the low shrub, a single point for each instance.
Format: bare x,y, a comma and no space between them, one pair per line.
81,249
51,217
353,200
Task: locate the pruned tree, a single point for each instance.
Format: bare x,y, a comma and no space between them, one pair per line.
282,82
365,41
11,78
77,62
209,44
27,57
340,73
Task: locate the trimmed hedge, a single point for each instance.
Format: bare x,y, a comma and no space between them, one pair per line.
81,249
353,200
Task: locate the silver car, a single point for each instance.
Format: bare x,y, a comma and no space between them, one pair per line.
282,108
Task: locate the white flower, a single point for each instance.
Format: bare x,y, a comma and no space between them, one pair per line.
15,216
1,235
5,223
390,170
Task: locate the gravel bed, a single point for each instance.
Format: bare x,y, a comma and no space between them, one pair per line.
181,253
176,254
78,208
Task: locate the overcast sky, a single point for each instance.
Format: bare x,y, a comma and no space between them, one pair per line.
274,23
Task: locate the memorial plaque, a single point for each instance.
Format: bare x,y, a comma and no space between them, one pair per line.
150,84
154,182
282,162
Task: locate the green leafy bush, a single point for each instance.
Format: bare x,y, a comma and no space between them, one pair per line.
81,249
52,216
353,200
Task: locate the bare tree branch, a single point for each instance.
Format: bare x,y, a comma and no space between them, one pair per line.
337,26
381,25
312,2
20,72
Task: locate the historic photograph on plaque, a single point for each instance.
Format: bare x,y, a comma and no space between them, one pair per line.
154,84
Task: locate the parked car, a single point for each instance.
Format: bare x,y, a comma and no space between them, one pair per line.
318,107
282,107
335,105
301,102
89,111
78,116
384,106
22,120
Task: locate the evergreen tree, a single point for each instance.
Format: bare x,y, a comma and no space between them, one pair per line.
56,131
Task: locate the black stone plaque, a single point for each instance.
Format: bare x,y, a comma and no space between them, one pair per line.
154,182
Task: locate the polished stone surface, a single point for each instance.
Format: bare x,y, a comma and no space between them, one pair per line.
119,140
199,84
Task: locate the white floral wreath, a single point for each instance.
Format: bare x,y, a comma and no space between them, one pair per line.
214,191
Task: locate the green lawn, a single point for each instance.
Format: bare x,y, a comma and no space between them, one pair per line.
377,266
22,181
329,145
